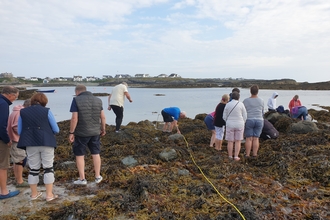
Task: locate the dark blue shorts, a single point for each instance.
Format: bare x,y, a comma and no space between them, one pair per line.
80,144
167,117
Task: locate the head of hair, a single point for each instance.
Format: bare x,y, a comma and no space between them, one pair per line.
39,98
296,97
124,83
27,103
80,88
254,90
236,90
225,98
9,90
183,114
235,95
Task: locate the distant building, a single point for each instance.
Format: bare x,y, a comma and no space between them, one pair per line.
107,77
162,76
174,75
77,78
62,79
21,77
33,78
141,75
90,78
123,76
6,75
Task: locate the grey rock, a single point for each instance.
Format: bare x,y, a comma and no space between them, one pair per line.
168,155
129,161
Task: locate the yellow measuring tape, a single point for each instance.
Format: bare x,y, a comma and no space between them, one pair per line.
226,200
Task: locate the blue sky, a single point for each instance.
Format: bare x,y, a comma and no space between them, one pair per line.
253,39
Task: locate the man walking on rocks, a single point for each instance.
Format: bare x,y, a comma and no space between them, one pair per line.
86,126
116,102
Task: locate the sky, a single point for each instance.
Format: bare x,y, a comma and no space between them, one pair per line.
251,39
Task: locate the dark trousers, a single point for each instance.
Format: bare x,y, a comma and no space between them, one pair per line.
119,112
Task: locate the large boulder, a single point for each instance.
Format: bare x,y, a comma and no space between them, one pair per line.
303,127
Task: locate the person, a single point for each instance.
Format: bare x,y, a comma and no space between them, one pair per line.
9,94
219,123
300,112
296,108
233,90
269,131
254,123
86,126
235,116
295,102
116,102
37,128
271,104
18,156
171,116
208,120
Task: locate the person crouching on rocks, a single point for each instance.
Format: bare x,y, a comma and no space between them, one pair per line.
171,116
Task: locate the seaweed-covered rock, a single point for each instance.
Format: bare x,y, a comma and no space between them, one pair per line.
303,127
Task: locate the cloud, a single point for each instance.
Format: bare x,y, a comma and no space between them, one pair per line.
193,38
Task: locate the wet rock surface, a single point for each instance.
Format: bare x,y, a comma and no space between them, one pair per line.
290,178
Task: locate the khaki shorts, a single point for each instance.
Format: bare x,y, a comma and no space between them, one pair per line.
17,154
4,156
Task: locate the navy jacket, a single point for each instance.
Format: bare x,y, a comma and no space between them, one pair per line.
36,130
4,112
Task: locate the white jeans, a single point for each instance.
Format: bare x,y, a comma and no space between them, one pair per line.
38,155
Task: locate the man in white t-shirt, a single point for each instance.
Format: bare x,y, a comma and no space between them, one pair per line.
116,102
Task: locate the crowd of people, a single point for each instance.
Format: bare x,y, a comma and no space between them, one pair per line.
235,121
27,135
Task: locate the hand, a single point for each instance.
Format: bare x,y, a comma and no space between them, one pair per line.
71,138
109,108
102,132
130,100
9,143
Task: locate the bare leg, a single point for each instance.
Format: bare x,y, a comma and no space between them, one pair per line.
237,149
248,145
3,181
18,172
49,190
97,164
80,160
212,141
34,190
218,144
255,144
230,148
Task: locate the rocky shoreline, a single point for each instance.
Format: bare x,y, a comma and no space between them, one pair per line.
149,174
278,84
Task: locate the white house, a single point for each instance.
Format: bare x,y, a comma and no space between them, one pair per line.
33,78
90,78
141,75
77,78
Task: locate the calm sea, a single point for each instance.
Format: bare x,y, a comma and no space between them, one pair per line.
148,103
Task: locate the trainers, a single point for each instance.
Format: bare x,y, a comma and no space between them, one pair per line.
24,184
98,179
80,182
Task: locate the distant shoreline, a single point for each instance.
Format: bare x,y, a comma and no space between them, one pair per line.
282,84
